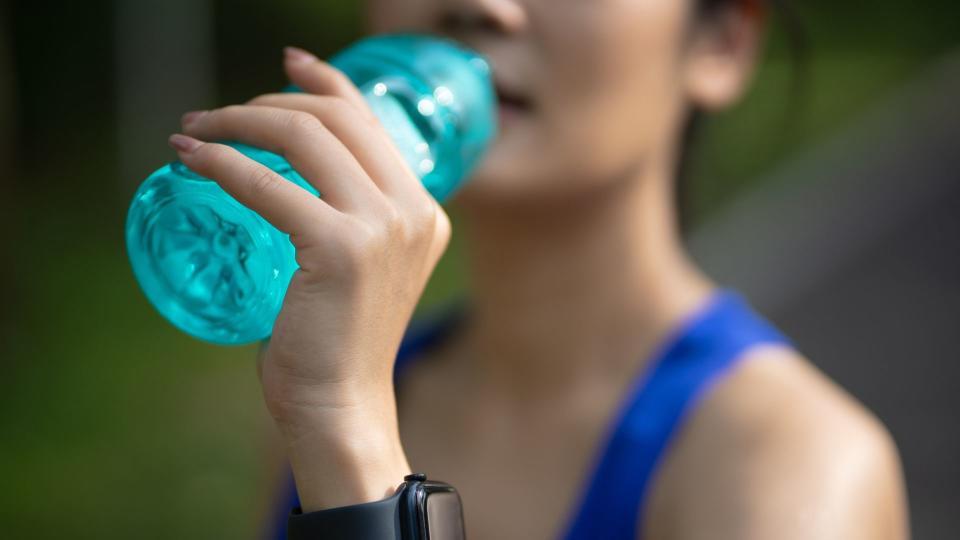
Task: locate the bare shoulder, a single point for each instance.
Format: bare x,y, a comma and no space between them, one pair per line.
777,450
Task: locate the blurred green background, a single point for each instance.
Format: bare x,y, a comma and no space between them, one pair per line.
114,425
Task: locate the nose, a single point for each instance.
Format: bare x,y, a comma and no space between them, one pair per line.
459,17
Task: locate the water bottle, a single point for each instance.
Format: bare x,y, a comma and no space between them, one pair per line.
219,272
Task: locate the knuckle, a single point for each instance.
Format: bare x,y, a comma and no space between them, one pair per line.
392,220
428,208
303,123
338,104
211,154
363,244
425,212
339,109
412,227
262,181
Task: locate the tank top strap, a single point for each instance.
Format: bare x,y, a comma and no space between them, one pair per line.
700,352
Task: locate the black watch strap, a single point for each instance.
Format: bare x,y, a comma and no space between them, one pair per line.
378,520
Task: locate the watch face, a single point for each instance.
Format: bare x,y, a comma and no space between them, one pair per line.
444,517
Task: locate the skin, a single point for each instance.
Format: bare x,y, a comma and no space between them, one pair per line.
577,274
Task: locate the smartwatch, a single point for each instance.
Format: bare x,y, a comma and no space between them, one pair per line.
421,509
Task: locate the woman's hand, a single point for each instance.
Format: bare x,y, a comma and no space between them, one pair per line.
365,250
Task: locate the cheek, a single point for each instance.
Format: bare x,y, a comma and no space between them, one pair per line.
389,16
615,94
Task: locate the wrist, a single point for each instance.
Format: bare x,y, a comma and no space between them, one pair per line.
344,456
333,471
299,404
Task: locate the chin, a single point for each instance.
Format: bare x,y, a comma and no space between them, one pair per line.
524,169
524,179
518,165
504,177
508,184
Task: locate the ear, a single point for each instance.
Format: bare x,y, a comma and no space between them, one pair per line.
722,54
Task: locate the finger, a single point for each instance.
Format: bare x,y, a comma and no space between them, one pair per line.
318,77
284,204
308,145
369,144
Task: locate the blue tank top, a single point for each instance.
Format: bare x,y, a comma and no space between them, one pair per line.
699,352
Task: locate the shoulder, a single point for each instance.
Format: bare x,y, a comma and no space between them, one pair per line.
776,450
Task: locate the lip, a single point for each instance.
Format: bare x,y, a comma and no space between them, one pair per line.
510,99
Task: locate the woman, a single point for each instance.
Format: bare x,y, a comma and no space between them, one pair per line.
601,385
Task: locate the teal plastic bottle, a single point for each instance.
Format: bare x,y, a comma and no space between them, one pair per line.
219,272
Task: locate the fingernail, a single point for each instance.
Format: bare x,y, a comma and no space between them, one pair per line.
190,117
298,56
183,143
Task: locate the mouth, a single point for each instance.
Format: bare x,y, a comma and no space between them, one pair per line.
510,101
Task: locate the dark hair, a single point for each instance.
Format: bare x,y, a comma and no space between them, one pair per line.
796,41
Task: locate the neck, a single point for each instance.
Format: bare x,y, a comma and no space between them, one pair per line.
578,291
